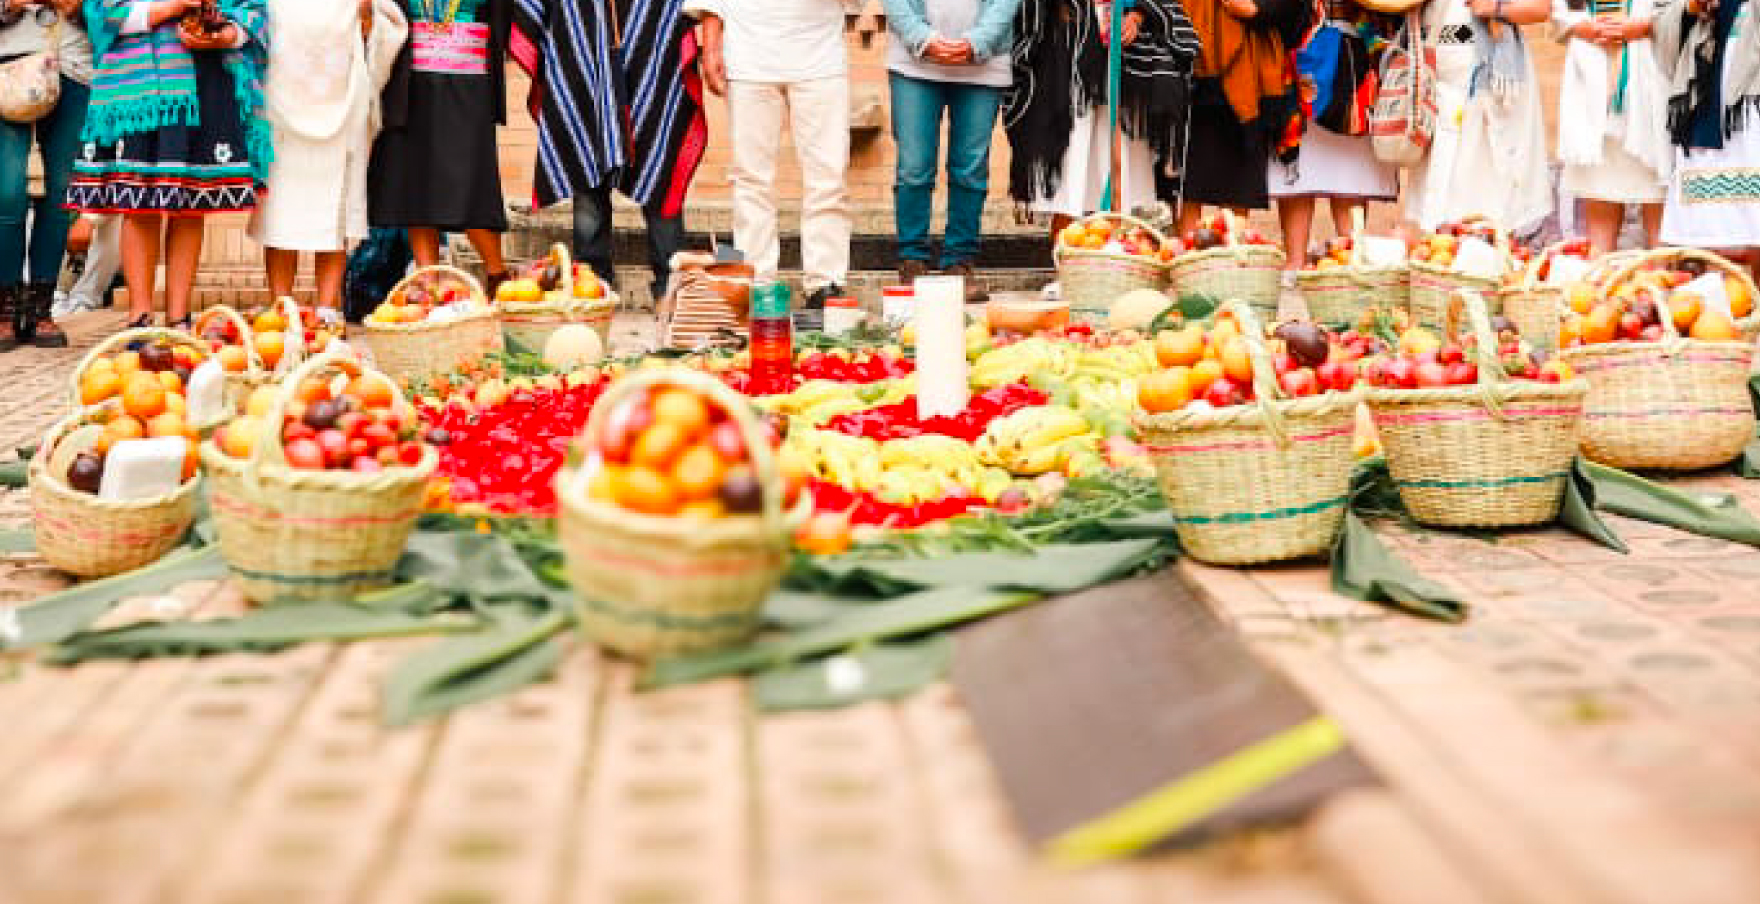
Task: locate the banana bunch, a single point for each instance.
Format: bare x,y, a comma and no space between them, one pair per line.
1019,360
1114,363
904,471
808,395
850,461
1035,440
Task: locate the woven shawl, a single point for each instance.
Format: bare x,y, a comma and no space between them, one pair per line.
631,114
1059,64
147,80
1253,61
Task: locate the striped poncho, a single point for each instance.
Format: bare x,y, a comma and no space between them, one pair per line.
616,98
147,80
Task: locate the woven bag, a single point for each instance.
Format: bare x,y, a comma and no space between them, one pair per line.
1251,273
1091,278
1675,404
291,534
408,352
1260,482
1402,121
706,303
651,586
83,535
1496,454
30,86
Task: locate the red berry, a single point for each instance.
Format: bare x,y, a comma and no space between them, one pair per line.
410,454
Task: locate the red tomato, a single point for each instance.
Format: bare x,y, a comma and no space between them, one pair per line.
727,442
305,453
410,453
335,445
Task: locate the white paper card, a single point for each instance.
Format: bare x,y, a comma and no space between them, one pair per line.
1566,269
1709,288
1476,257
1380,251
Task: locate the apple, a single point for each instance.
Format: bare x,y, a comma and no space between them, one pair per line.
1463,373
1300,382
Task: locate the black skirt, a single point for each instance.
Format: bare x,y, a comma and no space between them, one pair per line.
1225,166
441,169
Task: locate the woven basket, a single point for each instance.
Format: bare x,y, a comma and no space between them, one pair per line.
1339,296
1496,454
1676,404
116,342
291,534
94,538
408,352
1433,287
240,384
1261,482
651,586
1536,308
1252,273
1090,278
530,323
1631,262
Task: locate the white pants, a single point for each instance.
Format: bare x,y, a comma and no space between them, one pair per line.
103,259
818,113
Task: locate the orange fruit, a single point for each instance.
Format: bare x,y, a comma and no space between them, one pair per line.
143,396
168,424
176,404
645,490
1203,374
1601,324
1174,348
1684,308
1581,297
1570,331
192,461
698,471
1714,326
128,363
1094,240
1165,390
702,509
171,381
270,321
312,390
1073,235
373,392
261,399
236,438
683,409
603,483
124,427
658,446
1741,302
105,363
1237,362
98,385
270,347
233,359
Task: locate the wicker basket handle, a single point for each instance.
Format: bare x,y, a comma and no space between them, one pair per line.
266,447
111,344
293,345
1491,373
1710,259
1359,225
1265,387
1057,249
253,362
422,273
737,408
565,265
1531,271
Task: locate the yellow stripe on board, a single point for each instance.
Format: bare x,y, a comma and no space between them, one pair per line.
1186,800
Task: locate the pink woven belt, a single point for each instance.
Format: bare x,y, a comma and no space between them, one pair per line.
461,48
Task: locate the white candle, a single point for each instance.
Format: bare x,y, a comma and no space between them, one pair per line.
941,345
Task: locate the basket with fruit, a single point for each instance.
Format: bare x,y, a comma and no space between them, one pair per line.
1349,278
1477,434
1533,296
1667,353
96,509
1224,259
1104,256
676,524
436,319
553,292
1472,254
1255,465
316,491
235,342
125,365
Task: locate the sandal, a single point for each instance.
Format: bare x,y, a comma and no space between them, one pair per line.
141,322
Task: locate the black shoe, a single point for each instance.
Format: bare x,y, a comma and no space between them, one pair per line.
811,316
976,293
35,322
9,303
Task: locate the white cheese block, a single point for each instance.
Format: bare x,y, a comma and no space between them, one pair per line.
1380,251
206,395
143,468
1709,288
1566,269
1476,257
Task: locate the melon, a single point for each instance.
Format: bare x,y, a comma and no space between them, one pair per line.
1135,309
573,345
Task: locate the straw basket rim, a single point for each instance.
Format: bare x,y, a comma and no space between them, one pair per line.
1354,272
1507,391
1059,251
38,477
513,309
116,341
1250,414
1489,283
1222,251
485,307
691,534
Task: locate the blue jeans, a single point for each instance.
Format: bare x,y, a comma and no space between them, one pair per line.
57,138
916,127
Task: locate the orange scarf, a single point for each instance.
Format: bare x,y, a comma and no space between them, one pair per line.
1251,63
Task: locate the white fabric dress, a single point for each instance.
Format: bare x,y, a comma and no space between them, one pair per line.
1489,154
322,96
1334,166
1088,161
1629,163
1714,195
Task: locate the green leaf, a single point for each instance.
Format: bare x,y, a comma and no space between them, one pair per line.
1051,568
908,615
1578,511
519,646
794,609
58,616
12,473
877,672
1197,306
266,629
1708,515
1363,568
516,348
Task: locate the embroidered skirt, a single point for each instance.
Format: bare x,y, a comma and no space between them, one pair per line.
175,169
1714,197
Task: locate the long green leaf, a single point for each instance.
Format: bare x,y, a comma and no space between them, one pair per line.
1717,515
265,629
1363,568
908,615
519,646
878,672
1578,511
58,616
1051,568
12,473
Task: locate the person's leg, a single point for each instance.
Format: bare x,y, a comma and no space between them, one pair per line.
102,260
140,262
487,242
916,129
1652,217
754,123
972,113
1343,223
15,149
665,238
282,266
819,114
425,243
1296,215
58,142
329,268
592,231
1603,222
183,255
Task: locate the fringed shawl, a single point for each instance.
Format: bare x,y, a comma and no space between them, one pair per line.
1253,62
1059,64
1685,47
147,80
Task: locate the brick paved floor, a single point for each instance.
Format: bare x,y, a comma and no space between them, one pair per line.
1591,735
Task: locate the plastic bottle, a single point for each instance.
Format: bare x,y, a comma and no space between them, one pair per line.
772,343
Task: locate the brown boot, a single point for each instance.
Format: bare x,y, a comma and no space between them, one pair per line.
9,317
35,322
908,271
976,293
